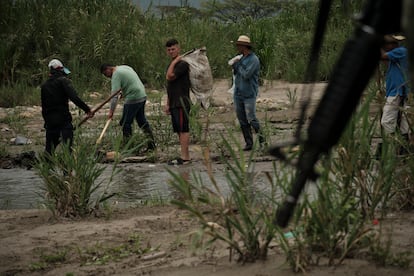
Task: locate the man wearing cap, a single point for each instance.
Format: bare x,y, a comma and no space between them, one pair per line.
396,87
124,78
55,95
246,71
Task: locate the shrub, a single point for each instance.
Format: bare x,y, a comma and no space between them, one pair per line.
70,178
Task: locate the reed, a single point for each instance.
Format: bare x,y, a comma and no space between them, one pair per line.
239,214
93,32
333,220
354,189
70,177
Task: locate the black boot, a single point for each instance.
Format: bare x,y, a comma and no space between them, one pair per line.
248,137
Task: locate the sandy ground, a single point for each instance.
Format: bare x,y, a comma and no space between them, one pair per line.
27,235
155,240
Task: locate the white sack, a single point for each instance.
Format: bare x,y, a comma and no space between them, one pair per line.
201,77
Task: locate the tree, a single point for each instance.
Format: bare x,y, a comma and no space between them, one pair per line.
235,10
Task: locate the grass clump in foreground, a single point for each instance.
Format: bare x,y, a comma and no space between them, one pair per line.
354,190
242,220
94,254
100,254
332,222
70,179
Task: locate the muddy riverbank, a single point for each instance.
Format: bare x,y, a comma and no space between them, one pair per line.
33,242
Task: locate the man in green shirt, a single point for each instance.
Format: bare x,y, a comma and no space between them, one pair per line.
124,78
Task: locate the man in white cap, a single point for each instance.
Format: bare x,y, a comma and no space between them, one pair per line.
55,95
246,71
396,86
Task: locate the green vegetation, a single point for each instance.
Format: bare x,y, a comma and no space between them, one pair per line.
97,254
234,10
100,254
334,219
49,259
243,219
334,223
71,187
83,34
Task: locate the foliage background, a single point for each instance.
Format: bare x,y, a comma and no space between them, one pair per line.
84,34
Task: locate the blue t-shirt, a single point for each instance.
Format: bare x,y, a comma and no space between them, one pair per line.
396,77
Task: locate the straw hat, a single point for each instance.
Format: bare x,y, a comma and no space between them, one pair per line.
244,40
394,38
398,37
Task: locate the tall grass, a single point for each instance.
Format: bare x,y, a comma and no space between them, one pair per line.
91,32
242,219
70,180
20,94
333,220
353,190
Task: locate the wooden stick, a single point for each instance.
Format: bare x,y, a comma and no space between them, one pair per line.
103,131
106,125
99,106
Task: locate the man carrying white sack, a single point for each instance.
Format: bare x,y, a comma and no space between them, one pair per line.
246,71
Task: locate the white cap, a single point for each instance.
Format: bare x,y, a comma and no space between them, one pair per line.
58,65
398,37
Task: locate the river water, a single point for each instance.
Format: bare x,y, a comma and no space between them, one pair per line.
134,184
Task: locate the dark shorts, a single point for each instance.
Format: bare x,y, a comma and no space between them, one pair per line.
179,119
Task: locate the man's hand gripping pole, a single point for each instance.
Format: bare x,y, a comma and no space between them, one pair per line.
100,106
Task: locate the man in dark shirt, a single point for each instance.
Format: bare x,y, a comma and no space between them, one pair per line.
178,102
55,95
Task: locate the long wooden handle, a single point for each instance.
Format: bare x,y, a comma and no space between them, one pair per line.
103,131
99,106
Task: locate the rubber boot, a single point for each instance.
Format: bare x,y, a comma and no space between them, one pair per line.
248,137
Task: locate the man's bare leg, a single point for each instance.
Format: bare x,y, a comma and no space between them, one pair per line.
184,143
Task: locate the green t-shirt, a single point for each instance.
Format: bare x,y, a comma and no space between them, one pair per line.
126,79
